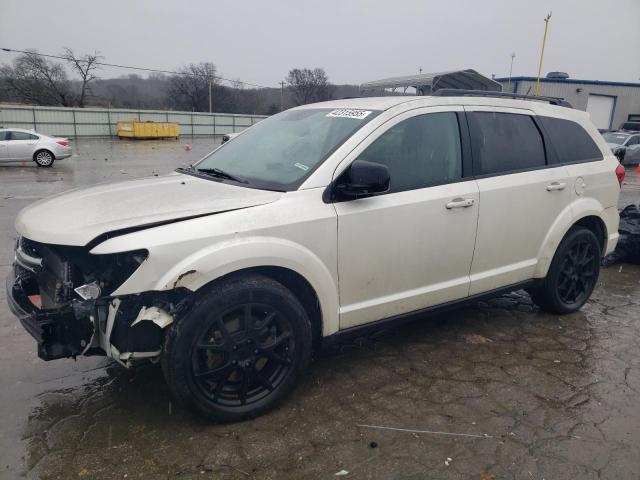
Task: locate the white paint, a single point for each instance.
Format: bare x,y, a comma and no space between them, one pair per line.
366,259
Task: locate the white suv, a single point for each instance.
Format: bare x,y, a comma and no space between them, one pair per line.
313,225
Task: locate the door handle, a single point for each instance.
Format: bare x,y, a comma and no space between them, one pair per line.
460,203
552,187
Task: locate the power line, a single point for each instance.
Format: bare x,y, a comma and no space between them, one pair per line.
170,72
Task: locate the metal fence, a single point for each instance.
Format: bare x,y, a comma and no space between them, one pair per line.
101,122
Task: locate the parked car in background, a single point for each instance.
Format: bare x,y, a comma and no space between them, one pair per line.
630,126
629,141
17,144
313,226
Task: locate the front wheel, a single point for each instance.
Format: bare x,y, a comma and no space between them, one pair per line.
240,350
572,275
44,158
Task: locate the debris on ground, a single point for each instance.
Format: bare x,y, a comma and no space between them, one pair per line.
475,339
628,248
484,435
342,473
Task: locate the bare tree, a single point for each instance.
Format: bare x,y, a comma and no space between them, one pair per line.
189,89
33,79
309,85
85,66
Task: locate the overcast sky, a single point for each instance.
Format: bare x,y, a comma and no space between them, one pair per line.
353,40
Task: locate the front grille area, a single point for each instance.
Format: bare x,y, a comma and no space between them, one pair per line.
47,269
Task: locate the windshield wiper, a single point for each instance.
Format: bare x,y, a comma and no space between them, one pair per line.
216,172
212,172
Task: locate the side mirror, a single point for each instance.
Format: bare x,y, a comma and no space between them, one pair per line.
619,152
363,179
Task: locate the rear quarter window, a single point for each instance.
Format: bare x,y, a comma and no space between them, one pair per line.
571,142
504,143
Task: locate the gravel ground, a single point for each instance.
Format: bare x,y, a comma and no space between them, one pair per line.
497,390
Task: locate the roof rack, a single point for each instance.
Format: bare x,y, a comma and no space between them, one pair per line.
454,92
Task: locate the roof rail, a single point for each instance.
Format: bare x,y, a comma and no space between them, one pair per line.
454,92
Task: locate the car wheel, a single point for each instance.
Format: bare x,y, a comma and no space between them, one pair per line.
44,158
572,275
239,351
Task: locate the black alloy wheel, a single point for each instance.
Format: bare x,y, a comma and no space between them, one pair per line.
572,275
240,350
243,354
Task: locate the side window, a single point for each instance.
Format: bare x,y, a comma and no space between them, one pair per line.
419,152
634,140
4,136
22,136
504,142
570,141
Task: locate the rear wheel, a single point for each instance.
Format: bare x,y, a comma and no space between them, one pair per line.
44,158
572,275
240,350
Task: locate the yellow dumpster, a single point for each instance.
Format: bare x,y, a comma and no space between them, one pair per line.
135,129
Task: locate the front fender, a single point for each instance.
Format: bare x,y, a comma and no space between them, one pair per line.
574,212
215,261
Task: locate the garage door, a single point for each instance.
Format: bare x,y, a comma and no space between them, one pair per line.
601,109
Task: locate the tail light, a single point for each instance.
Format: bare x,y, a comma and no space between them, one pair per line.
64,143
620,173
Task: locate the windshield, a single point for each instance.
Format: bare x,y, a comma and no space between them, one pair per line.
617,138
280,152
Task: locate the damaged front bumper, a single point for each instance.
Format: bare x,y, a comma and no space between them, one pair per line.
126,328
61,332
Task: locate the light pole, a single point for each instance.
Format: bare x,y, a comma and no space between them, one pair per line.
513,56
544,41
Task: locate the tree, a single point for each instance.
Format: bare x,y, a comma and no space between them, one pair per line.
85,66
309,85
33,79
189,89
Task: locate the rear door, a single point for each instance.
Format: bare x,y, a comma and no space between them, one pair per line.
520,196
22,145
411,247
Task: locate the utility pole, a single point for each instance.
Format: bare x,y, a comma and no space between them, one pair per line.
513,55
210,75
544,41
282,96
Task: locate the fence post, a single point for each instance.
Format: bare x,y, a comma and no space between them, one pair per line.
109,119
192,123
233,122
33,111
75,128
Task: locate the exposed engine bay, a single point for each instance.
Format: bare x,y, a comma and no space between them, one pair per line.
61,294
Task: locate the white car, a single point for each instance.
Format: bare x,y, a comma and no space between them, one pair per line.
314,225
17,144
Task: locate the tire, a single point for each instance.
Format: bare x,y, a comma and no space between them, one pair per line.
44,158
220,367
573,273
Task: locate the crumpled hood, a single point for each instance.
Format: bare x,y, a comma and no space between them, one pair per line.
78,216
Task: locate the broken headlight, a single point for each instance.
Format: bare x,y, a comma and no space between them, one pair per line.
112,270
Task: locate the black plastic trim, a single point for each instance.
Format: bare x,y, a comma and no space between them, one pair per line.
397,320
454,92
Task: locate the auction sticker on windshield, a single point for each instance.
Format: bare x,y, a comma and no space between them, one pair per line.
349,113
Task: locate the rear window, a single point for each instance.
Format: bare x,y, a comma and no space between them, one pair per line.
22,136
3,136
571,142
505,142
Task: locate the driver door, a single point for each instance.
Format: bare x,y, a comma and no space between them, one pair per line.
412,247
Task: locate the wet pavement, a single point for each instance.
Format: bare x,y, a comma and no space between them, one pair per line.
497,390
